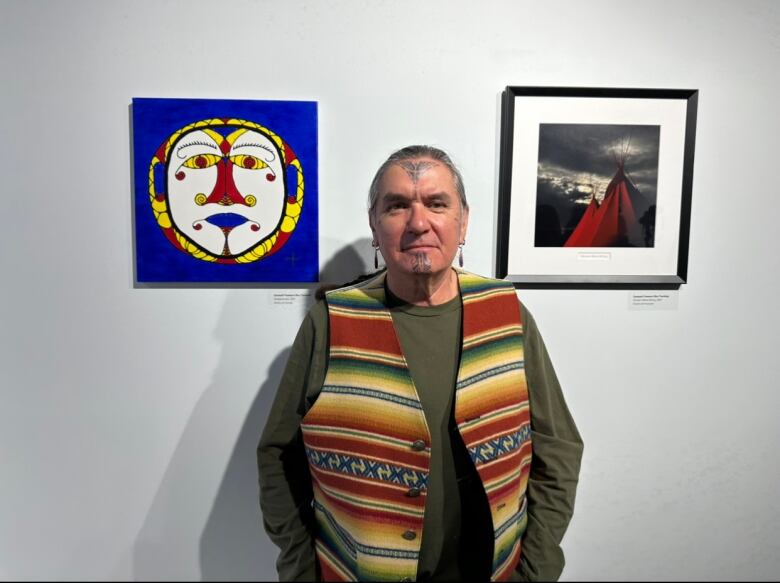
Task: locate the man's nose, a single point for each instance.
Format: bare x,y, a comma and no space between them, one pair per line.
418,218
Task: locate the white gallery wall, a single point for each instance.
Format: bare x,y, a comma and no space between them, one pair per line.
129,415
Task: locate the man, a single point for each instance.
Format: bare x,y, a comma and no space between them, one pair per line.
419,431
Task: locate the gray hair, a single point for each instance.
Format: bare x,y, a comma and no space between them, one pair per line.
411,153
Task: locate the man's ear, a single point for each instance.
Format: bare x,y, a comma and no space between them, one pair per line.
464,225
371,224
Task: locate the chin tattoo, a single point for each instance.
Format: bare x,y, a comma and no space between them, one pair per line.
421,263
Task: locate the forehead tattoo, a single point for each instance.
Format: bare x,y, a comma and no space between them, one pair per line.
415,169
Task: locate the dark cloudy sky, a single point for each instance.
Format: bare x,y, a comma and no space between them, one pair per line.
576,159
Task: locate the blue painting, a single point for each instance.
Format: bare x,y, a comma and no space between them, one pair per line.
225,190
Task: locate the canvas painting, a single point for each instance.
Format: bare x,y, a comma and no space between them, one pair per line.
225,190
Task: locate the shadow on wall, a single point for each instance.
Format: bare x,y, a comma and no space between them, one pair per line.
203,523
349,262
231,544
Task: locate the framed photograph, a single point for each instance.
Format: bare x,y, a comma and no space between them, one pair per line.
595,186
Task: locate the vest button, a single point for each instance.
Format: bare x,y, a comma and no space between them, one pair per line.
418,445
409,535
413,492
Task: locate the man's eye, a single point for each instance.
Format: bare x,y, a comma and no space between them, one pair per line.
248,162
202,161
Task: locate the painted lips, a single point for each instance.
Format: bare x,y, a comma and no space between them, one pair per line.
226,220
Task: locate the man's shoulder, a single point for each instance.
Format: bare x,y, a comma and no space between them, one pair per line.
365,292
475,283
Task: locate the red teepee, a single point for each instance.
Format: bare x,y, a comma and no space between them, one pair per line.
614,222
583,232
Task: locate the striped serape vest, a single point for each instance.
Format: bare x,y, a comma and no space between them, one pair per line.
368,443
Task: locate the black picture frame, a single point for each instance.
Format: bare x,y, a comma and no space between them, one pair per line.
540,126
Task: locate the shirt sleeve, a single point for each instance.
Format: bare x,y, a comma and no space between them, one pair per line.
285,482
555,464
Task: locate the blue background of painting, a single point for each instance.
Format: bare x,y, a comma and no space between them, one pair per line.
157,260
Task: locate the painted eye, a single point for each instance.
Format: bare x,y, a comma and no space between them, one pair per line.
201,161
248,162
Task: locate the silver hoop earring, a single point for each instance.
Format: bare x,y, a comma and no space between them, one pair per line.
376,255
460,255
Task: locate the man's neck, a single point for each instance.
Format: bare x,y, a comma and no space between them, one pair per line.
424,289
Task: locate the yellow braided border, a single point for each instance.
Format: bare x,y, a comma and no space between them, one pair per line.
292,211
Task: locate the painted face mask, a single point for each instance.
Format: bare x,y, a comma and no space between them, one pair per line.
226,190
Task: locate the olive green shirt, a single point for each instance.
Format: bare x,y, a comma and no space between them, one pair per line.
457,535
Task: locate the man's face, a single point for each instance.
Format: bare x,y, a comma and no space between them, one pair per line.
226,194
418,221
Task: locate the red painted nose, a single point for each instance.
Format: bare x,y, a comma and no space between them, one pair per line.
225,191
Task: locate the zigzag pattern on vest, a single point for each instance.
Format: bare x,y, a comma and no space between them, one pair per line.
492,409
368,443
